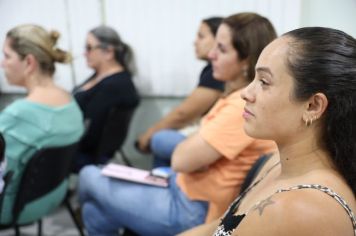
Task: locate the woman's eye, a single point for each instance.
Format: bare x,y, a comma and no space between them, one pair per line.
263,82
221,48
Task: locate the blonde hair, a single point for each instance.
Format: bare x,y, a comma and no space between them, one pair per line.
35,40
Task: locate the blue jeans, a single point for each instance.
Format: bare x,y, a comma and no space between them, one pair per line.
109,204
163,144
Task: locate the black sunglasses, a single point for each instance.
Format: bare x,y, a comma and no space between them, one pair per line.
89,48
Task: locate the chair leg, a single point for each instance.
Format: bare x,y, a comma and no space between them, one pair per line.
124,158
17,230
39,224
71,212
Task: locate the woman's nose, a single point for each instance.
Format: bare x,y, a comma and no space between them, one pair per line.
246,93
212,54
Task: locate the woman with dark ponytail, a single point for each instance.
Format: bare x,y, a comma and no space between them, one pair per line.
110,86
303,97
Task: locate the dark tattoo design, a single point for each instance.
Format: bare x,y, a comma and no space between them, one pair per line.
262,205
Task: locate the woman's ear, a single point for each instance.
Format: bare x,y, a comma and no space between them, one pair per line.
245,63
30,63
315,107
110,52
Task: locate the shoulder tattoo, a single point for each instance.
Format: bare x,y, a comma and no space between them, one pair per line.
263,204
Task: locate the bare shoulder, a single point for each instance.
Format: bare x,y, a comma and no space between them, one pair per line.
297,212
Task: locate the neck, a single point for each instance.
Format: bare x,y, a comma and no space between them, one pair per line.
108,69
38,81
301,157
234,85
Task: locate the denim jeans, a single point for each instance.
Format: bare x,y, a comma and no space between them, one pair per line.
109,204
163,144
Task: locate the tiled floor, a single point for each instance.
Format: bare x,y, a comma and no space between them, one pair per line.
150,110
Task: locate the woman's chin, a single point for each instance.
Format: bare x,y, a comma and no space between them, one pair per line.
251,131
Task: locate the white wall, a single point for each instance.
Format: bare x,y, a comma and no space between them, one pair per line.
161,32
339,14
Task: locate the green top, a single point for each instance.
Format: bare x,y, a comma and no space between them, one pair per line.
27,127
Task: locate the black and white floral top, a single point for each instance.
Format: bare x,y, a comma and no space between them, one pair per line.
230,221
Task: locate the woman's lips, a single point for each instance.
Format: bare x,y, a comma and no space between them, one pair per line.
247,114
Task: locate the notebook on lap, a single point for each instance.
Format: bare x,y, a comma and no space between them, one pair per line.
133,174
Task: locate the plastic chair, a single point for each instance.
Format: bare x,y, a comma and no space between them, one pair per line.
45,171
114,134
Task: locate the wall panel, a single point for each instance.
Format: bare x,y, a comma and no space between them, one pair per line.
161,33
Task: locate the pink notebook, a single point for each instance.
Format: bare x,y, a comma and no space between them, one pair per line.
133,174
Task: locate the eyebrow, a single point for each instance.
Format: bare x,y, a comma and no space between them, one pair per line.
264,69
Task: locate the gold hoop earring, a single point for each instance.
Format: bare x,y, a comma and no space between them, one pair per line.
308,122
245,73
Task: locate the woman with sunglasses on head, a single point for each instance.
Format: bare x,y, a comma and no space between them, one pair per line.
110,86
48,116
303,97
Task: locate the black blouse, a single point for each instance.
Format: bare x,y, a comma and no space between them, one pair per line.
116,90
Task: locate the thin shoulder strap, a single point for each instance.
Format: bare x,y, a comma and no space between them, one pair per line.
235,204
263,176
326,190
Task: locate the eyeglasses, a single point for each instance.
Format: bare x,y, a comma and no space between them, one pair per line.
89,48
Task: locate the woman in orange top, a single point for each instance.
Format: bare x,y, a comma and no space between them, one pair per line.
213,163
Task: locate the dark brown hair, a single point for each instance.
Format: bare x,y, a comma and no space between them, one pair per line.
250,34
213,23
324,60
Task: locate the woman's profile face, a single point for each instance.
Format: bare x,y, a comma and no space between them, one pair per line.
224,57
271,111
204,41
93,51
14,67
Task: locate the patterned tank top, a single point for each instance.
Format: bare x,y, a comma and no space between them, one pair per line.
230,221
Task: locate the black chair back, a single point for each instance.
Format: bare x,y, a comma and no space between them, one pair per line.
2,147
43,173
115,131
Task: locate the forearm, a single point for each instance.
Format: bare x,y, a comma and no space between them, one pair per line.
176,119
191,109
144,139
193,154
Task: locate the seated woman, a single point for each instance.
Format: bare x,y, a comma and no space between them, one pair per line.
162,137
219,155
303,97
2,163
47,116
109,87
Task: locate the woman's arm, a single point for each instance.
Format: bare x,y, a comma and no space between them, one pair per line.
193,154
191,109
